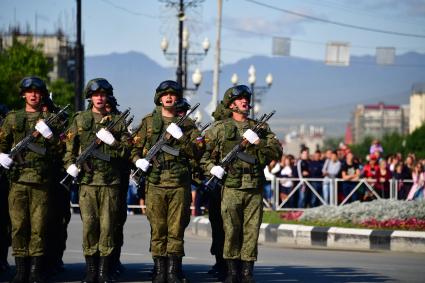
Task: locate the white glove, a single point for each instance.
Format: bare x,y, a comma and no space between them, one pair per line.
175,131
105,136
143,164
217,171
251,136
43,129
5,160
73,170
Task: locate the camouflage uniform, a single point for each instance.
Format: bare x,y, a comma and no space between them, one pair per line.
167,185
100,183
5,228
241,205
29,187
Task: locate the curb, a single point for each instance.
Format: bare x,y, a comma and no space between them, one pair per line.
328,237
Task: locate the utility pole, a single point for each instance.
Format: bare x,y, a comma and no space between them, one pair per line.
180,16
216,75
79,64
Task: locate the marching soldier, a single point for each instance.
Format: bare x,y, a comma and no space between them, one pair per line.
29,173
4,210
168,181
100,178
241,205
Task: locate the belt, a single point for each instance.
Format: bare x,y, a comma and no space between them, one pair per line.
246,170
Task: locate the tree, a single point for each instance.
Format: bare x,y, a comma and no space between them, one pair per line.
415,142
23,59
20,60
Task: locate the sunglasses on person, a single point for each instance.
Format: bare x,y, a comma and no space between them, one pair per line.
32,82
241,90
169,85
100,85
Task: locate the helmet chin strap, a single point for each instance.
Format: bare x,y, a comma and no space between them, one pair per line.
237,110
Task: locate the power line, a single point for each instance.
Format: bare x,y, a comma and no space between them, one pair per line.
336,23
130,11
262,34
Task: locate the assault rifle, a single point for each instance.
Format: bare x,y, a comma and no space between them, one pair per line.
238,152
91,150
161,145
28,141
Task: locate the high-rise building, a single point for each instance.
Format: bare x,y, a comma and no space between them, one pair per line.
376,120
417,106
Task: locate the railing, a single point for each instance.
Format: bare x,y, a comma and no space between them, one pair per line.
335,187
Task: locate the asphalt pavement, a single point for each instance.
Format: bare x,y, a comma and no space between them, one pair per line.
275,264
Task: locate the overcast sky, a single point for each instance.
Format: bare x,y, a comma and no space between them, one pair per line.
248,27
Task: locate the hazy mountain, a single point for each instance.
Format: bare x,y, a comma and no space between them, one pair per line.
303,91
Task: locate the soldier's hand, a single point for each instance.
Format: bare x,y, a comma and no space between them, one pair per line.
217,171
73,170
143,164
175,131
251,136
5,160
43,129
105,136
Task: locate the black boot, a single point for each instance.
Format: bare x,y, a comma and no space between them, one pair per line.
91,269
21,270
173,270
180,273
159,270
36,271
104,270
247,272
232,271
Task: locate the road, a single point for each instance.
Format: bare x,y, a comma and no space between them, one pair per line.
275,264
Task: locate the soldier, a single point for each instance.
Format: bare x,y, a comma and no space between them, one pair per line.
4,210
100,179
241,205
28,197
168,182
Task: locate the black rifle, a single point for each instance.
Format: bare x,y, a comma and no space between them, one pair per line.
91,150
28,141
161,145
238,152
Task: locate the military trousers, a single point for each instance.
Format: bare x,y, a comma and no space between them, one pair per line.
242,213
99,206
28,205
168,212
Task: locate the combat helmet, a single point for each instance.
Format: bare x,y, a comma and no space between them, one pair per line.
182,105
168,86
96,85
236,92
33,82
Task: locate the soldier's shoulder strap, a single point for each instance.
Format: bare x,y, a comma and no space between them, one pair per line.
17,119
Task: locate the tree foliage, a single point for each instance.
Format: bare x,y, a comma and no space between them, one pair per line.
24,59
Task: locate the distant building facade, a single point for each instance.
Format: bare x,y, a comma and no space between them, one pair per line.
313,138
376,120
417,107
56,47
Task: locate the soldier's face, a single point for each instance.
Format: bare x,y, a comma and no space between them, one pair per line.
241,103
168,100
32,97
99,100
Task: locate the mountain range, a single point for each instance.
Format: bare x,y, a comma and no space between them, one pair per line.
304,91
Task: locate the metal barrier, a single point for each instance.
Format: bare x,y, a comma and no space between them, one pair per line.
334,187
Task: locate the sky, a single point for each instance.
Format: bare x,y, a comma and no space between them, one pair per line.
248,25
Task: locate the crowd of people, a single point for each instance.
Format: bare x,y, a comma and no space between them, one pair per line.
340,169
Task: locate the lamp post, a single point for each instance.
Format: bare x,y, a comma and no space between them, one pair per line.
255,89
184,57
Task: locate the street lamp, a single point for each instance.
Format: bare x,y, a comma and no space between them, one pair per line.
184,57
255,89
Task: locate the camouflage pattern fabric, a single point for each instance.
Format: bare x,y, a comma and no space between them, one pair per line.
100,214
